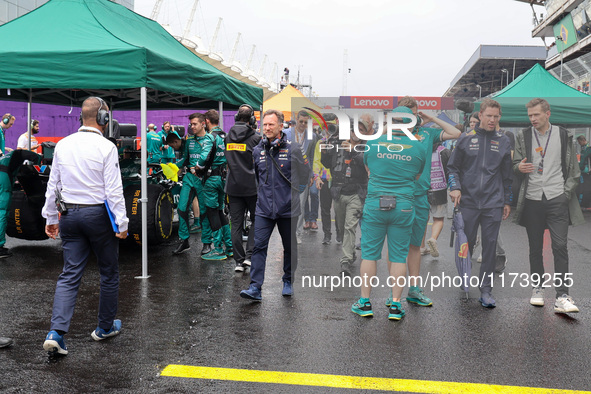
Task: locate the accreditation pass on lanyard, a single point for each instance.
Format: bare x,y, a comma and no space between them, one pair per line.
541,151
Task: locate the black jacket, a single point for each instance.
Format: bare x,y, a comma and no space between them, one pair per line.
338,162
240,141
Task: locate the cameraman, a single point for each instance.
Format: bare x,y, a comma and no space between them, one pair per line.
349,187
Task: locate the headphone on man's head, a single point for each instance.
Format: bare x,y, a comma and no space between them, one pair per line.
102,116
252,121
6,118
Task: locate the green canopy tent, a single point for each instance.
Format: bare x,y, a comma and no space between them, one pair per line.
569,107
68,50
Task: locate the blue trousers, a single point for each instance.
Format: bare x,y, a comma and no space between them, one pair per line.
263,228
83,230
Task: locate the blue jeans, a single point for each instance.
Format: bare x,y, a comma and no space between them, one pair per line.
311,205
83,230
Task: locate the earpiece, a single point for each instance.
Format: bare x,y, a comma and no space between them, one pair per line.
6,118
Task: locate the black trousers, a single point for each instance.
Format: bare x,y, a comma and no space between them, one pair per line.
238,208
325,206
552,215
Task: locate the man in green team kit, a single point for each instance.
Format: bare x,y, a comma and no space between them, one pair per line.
191,148
213,167
428,137
393,165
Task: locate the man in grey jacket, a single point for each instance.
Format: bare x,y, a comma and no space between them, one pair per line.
547,165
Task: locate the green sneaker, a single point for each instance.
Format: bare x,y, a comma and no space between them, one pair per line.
195,229
229,252
215,254
389,302
396,311
416,296
362,309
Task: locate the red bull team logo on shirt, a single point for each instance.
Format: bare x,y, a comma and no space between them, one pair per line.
463,252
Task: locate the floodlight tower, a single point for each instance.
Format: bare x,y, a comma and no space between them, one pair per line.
156,10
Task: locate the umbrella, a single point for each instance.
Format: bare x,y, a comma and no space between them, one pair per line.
461,251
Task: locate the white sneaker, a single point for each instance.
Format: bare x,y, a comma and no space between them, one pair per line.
432,244
247,262
479,259
537,296
298,239
565,304
424,251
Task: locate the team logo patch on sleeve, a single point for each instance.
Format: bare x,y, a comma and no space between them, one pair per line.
240,147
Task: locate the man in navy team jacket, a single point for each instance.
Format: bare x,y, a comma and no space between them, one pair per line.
282,172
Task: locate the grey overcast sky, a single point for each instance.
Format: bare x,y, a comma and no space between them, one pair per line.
395,47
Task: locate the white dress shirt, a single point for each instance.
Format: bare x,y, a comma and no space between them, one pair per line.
86,170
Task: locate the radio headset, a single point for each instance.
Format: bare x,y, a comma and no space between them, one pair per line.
252,121
102,115
6,119
275,144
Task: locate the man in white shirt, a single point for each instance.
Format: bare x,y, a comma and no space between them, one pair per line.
86,172
545,161
23,140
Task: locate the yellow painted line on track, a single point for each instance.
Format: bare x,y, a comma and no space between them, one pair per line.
350,382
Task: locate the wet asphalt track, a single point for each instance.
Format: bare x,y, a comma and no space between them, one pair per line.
189,313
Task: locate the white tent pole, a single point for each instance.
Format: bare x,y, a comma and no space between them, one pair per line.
221,111
29,116
144,184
